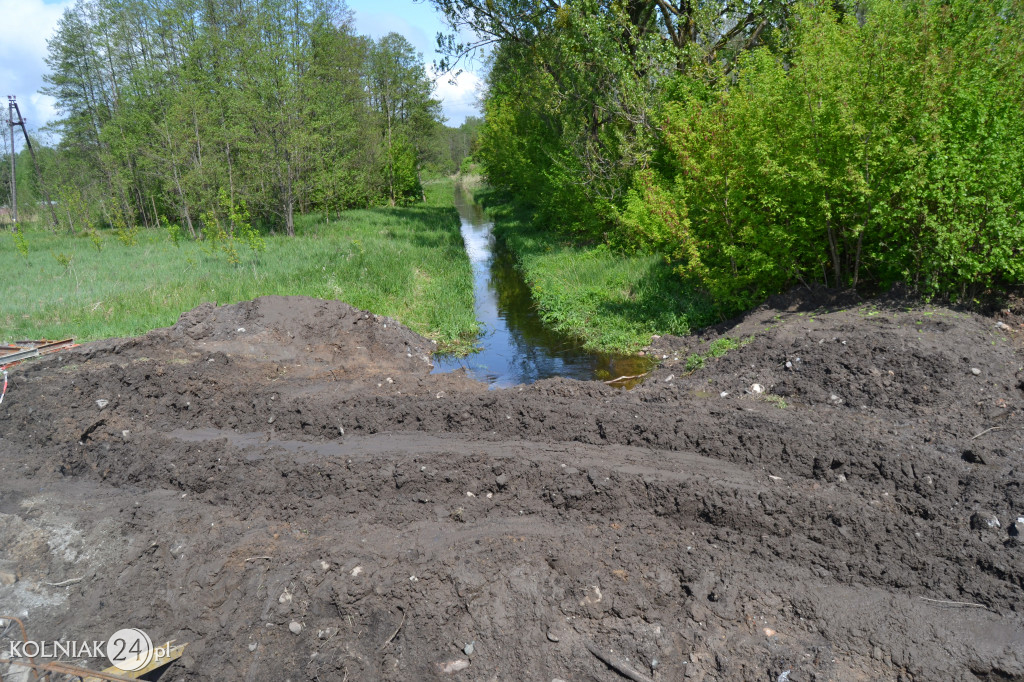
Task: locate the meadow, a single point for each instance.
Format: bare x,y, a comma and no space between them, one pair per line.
408,263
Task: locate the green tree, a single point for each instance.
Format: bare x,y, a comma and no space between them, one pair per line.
407,115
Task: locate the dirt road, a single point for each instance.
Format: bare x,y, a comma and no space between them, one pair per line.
282,485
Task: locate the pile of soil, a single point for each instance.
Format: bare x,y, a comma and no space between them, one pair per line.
283,485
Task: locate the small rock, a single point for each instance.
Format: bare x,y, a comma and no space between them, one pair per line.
789,365
983,520
8,578
1003,326
356,571
468,649
768,632
126,434
325,566
834,399
1016,529
295,627
723,394
285,597
449,667
240,330
252,646
502,481
756,388
876,653
422,498
975,371
101,403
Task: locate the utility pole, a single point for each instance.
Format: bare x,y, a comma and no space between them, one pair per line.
14,182
12,106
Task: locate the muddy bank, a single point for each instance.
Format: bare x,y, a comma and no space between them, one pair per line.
289,465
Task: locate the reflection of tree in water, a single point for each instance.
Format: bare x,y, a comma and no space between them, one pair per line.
469,210
521,348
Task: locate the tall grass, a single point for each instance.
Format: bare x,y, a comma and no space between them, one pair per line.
615,302
408,263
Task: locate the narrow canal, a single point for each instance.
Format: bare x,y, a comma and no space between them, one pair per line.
515,346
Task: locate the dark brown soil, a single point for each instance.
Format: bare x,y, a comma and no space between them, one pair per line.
291,461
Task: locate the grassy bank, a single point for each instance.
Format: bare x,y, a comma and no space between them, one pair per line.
613,301
407,263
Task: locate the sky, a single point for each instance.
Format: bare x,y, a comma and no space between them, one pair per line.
29,23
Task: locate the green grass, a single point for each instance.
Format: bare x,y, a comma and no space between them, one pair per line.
614,302
408,263
716,349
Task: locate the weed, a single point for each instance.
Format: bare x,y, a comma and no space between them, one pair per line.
720,347
64,260
694,362
20,242
776,400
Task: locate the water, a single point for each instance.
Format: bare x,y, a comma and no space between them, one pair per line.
515,346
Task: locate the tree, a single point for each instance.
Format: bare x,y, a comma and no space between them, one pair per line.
407,115
170,105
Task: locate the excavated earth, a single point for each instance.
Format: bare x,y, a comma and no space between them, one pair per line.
281,484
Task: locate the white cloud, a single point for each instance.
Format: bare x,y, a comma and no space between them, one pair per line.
420,23
28,24
458,100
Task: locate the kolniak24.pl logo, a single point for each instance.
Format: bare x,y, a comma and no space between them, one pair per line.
128,649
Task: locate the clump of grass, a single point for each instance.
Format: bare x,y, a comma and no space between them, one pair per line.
776,400
716,349
720,347
408,263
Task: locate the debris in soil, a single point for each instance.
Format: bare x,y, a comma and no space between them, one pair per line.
846,509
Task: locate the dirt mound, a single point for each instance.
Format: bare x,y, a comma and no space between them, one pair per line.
834,498
297,330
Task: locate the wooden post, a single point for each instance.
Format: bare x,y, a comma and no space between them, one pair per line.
14,180
35,161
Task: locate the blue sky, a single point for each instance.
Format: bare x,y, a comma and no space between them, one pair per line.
29,23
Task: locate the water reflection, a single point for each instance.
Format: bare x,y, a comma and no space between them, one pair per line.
516,346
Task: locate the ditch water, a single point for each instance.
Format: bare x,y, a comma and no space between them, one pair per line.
515,345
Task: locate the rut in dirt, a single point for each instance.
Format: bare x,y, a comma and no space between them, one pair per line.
311,503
